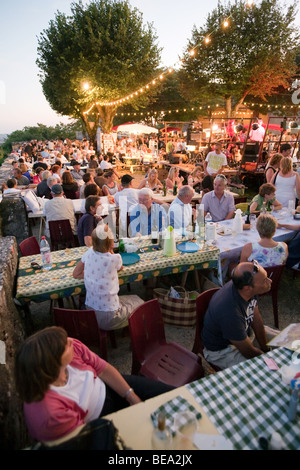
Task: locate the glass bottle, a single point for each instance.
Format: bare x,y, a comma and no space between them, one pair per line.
247,214
121,246
45,253
264,208
164,188
269,206
175,189
161,436
154,233
116,244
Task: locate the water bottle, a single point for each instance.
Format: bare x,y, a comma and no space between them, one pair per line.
208,218
46,253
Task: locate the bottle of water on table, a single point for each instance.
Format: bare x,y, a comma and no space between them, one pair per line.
46,253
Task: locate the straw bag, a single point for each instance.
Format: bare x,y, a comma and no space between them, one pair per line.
177,312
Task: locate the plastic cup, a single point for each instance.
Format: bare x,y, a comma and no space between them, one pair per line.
186,425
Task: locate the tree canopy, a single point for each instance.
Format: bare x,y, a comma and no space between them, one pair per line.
103,44
254,56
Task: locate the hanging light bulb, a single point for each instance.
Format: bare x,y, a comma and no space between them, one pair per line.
226,24
207,40
192,52
250,3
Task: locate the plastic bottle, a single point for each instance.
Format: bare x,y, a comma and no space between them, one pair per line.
46,253
161,436
238,221
165,188
208,218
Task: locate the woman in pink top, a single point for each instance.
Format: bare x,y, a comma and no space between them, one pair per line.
64,385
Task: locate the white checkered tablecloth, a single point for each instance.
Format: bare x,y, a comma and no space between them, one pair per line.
249,400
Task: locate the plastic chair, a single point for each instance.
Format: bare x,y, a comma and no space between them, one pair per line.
152,356
202,303
275,273
61,234
82,325
29,246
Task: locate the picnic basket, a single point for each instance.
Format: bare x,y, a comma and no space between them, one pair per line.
177,311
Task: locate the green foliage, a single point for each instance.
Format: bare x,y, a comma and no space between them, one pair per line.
252,57
104,44
42,132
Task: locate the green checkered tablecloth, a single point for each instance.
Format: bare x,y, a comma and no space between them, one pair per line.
248,400
58,282
170,408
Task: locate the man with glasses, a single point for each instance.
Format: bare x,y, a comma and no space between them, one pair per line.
233,322
219,203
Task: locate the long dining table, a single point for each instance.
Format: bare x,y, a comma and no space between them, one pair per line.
34,284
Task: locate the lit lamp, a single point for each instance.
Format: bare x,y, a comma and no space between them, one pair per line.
86,86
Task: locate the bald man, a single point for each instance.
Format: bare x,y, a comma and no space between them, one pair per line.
232,321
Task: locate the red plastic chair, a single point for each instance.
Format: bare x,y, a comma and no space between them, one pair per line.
61,234
202,303
275,273
152,356
29,246
82,325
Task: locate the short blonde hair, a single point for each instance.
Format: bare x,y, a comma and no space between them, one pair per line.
266,225
102,238
286,165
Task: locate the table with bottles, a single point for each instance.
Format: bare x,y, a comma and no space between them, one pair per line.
36,284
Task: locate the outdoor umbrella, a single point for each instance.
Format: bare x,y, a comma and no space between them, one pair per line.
135,128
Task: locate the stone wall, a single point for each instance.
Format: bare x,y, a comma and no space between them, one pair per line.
13,431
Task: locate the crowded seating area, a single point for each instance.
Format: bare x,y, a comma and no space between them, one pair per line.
123,246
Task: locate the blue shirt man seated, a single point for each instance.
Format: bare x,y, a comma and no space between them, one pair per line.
147,215
219,203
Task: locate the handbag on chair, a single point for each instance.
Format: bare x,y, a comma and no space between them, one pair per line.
177,311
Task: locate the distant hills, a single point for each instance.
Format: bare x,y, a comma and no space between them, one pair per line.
2,138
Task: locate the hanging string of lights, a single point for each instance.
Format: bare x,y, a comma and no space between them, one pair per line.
126,99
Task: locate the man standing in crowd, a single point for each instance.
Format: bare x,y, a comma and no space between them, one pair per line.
215,161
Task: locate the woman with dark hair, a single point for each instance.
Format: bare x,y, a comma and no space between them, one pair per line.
64,385
266,195
37,178
70,186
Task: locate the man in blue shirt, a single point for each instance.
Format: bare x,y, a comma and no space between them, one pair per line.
219,203
147,215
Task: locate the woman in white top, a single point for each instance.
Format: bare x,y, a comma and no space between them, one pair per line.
111,187
266,251
99,268
287,182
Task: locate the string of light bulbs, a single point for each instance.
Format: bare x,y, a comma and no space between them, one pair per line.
158,79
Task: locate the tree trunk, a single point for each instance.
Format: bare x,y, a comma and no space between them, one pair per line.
107,114
228,107
91,128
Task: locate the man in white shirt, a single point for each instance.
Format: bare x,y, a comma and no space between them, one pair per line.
59,208
215,161
125,199
257,132
180,212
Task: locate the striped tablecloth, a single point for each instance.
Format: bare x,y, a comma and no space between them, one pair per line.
249,400
58,282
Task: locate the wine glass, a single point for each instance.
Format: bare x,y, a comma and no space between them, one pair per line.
252,218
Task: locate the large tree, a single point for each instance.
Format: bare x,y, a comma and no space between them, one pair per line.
100,53
253,56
